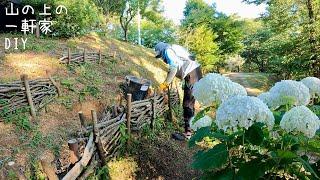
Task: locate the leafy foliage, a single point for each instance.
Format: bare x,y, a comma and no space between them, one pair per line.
288,41
211,35
201,42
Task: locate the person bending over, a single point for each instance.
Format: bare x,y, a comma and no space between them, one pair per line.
183,66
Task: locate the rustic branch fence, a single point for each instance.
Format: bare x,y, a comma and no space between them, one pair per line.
105,134
78,58
35,94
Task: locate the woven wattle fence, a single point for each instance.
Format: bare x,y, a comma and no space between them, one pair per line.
105,136
144,112
78,58
34,94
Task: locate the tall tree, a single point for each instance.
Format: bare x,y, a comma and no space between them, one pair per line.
129,10
296,24
109,7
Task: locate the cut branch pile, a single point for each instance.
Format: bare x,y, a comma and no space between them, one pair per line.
103,144
35,94
78,58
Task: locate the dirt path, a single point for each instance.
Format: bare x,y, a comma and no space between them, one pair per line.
255,83
165,159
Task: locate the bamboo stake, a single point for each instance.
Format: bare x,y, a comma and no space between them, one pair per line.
129,109
24,79
97,137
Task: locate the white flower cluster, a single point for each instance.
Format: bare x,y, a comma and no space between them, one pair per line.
243,112
203,122
215,88
300,119
284,92
313,84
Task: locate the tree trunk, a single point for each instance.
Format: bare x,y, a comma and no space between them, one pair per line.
312,38
126,34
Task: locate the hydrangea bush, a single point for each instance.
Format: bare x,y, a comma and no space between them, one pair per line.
215,88
250,140
203,122
286,92
242,112
313,84
300,119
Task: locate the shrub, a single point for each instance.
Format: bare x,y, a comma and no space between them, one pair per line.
251,142
82,16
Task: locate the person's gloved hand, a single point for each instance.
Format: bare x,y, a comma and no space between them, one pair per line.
163,86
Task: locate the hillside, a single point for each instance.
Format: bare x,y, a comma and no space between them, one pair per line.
86,87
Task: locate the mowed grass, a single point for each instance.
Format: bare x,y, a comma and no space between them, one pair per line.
255,83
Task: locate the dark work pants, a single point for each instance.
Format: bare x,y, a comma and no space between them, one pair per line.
188,99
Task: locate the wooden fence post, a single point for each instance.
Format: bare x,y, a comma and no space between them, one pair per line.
170,105
96,134
69,56
84,54
82,119
100,56
114,54
73,147
129,108
54,83
24,79
154,110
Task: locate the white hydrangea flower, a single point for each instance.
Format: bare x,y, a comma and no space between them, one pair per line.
203,122
215,88
243,112
265,97
288,90
300,119
313,84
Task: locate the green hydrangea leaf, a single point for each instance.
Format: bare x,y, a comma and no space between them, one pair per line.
212,159
253,169
254,134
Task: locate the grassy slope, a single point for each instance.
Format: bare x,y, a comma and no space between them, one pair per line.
91,86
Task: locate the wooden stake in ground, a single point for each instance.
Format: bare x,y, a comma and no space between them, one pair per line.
80,166
73,147
170,105
129,109
97,137
100,56
54,83
154,110
69,56
84,55
24,79
82,119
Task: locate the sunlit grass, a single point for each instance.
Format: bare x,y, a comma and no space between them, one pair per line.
35,65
